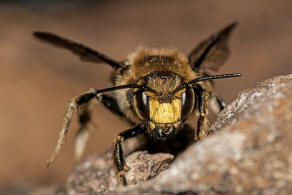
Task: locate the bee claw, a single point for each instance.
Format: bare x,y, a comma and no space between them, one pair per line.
126,168
121,176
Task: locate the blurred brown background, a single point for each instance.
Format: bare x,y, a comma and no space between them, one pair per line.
37,80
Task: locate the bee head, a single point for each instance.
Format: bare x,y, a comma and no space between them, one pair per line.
164,101
163,108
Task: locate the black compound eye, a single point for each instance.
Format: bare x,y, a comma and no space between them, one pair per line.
187,103
141,104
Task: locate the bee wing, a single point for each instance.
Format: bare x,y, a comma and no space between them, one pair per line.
85,53
213,51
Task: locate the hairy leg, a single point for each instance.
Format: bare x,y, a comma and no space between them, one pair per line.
84,115
82,135
118,158
73,104
202,106
111,104
81,104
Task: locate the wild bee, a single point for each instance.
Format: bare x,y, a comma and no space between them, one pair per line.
155,89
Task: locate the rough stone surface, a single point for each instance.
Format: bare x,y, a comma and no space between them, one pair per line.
96,174
249,153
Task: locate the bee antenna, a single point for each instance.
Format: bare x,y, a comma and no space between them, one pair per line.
205,78
98,91
133,86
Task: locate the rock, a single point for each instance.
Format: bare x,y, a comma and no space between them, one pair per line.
96,174
92,175
144,166
249,153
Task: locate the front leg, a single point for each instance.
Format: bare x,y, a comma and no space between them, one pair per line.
79,103
202,106
118,158
84,116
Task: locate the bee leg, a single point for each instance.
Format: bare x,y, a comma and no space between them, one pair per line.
118,158
84,115
82,135
73,104
221,102
202,125
217,104
111,104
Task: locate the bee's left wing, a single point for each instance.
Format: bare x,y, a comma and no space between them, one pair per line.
85,53
212,52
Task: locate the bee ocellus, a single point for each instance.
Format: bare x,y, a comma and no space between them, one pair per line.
157,90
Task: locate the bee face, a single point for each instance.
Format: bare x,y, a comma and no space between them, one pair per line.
163,108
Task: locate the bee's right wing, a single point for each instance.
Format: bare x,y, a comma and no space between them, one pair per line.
213,51
85,53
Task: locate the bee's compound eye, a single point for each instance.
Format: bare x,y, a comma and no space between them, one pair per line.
141,104
187,103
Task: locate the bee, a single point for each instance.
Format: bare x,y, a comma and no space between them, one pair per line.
156,90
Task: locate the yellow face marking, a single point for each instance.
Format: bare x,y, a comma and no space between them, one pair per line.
165,112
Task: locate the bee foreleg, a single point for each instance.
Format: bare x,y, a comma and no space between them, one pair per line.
73,104
203,100
217,104
81,138
118,158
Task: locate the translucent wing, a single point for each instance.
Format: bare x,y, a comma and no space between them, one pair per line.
85,53
213,51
